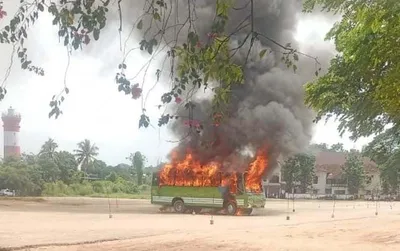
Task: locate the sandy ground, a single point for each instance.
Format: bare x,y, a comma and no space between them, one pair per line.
72,224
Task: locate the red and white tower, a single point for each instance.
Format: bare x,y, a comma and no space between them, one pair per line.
11,121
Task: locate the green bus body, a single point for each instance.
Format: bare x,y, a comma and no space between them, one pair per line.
203,196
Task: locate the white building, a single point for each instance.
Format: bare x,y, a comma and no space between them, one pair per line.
327,179
272,186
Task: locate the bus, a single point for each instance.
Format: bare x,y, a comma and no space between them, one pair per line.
231,197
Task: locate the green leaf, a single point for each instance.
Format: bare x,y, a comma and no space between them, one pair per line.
150,49
24,65
262,53
144,121
193,38
153,41
66,40
296,57
52,112
24,32
96,34
140,25
40,7
157,16
21,54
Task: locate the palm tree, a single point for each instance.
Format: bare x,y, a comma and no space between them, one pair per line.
49,148
85,153
138,159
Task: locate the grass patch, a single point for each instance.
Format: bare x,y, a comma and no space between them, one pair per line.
143,196
139,196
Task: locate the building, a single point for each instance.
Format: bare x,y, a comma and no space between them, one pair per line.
328,175
272,186
11,125
327,179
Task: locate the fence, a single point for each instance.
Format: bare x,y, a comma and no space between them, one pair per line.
318,196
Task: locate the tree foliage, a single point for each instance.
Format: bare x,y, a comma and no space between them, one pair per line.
361,86
138,160
323,147
86,154
353,172
299,170
22,178
194,62
390,174
67,164
39,174
49,148
338,147
385,151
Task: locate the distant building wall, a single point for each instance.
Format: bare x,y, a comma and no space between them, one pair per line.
328,167
319,183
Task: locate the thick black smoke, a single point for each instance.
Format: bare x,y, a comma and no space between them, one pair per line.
268,110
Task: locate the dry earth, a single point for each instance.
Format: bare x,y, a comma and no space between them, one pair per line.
72,224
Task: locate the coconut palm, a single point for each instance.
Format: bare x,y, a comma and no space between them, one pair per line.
85,153
138,159
49,148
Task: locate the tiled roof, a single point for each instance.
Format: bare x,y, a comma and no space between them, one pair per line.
332,162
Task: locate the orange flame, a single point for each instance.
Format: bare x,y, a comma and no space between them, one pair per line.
255,172
189,172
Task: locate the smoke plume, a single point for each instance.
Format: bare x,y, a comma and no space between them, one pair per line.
267,111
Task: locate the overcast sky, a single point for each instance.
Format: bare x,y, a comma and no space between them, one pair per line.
94,109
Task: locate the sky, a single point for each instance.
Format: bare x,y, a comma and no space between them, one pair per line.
94,109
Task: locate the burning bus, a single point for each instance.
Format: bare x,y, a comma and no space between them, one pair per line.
187,185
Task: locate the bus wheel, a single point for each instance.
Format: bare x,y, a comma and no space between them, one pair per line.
230,208
179,206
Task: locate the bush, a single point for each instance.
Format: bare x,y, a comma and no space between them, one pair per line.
130,188
103,187
83,189
56,189
144,188
97,188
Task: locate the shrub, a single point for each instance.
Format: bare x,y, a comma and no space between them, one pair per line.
97,188
144,187
83,189
56,189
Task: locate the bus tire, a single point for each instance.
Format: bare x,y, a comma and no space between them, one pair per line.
230,208
179,206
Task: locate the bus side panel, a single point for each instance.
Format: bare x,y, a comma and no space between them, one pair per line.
191,196
242,201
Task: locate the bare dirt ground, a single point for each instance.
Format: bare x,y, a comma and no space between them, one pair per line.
72,224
